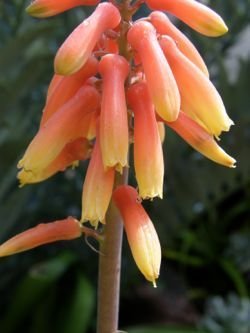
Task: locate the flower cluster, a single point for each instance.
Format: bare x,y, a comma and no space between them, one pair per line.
119,82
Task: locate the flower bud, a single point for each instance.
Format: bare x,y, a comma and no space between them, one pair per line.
113,120
161,83
79,149
193,13
47,8
42,234
148,155
164,26
97,187
199,98
67,124
200,140
77,48
63,88
142,237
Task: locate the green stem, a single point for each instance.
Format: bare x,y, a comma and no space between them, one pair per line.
109,267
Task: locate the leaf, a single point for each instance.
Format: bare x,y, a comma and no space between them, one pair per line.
80,308
33,286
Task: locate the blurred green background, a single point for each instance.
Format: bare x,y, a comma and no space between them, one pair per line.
203,222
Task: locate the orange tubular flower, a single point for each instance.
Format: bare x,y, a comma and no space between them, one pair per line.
193,13
148,156
113,121
141,234
199,98
51,232
79,149
77,48
97,188
161,83
63,88
164,26
200,140
66,125
47,8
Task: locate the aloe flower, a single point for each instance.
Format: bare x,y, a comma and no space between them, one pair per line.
142,237
97,188
161,82
51,232
69,85
79,149
199,98
113,120
196,15
200,140
47,8
148,156
164,26
66,125
77,48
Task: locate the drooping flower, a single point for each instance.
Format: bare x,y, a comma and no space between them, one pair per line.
148,155
97,187
77,48
142,237
66,229
66,125
74,151
113,120
161,82
196,15
63,88
199,98
200,140
47,8
165,27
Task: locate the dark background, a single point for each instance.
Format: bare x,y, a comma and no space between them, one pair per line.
203,221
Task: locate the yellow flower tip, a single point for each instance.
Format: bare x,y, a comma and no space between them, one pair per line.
150,195
67,67
25,177
36,10
154,284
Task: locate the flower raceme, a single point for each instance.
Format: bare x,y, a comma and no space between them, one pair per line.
119,82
